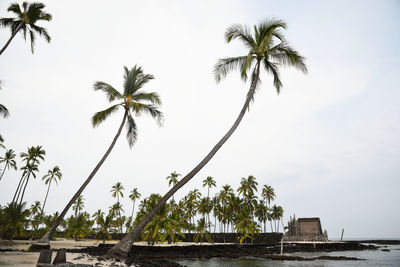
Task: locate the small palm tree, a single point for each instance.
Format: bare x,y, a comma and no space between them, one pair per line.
173,179
134,101
9,161
134,195
267,48
117,192
78,205
97,215
209,182
25,22
5,113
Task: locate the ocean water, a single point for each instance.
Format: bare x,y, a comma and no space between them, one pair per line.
371,258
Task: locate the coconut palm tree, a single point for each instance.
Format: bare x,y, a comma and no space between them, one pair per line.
117,192
173,179
5,113
78,205
268,193
96,216
209,182
52,175
134,195
25,21
9,161
134,101
267,48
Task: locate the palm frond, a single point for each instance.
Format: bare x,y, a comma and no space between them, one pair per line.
6,22
287,56
33,38
131,133
139,108
42,32
241,32
101,116
273,68
4,111
110,91
15,9
225,65
153,97
142,79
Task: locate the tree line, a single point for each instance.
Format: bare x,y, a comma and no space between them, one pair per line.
239,211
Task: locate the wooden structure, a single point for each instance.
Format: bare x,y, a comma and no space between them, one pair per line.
310,227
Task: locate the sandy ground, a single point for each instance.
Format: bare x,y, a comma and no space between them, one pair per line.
25,259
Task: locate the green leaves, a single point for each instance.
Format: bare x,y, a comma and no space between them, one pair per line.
101,116
131,133
110,91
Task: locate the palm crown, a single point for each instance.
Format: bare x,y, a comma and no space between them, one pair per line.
266,45
133,99
25,21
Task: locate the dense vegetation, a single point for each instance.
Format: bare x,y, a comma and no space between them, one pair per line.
239,211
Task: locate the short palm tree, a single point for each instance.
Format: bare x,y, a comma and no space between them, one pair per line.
78,205
134,101
117,192
134,195
25,21
267,48
9,161
173,179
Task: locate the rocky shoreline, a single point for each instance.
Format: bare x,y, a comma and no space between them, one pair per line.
165,255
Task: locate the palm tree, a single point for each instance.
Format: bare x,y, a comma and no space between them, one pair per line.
133,101
5,113
52,175
267,48
173,179
116,192
78,205
97,215
25,21
134,195
268,193
209,182
9,161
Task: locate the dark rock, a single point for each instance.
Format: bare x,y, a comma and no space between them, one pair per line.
45,256
61,257
36,247
385,249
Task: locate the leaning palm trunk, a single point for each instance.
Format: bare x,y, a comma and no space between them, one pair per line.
5,167
12,202
46,238
122,248
41,212
9,40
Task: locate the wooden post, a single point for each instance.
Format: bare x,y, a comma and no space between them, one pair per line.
282,247
341,238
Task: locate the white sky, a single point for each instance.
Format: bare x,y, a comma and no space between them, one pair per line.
329,143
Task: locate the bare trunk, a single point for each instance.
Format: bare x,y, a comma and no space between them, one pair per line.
12,202
9,40
46,237
122,248
42,211
5,167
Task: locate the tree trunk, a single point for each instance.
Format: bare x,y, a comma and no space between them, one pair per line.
5,167
9,210
9,40
41,212
46,237
133,209
122,248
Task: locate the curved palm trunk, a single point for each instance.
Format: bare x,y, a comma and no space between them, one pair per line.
122,248
9,40
42,211
133,208
46,237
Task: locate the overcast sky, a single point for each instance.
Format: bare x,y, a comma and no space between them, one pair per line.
329,143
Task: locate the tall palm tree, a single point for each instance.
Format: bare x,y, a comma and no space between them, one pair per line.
9,161
117,192
5,113
134,195
268,48
133,100
52,175
209,182
25,21
173,179
97,215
